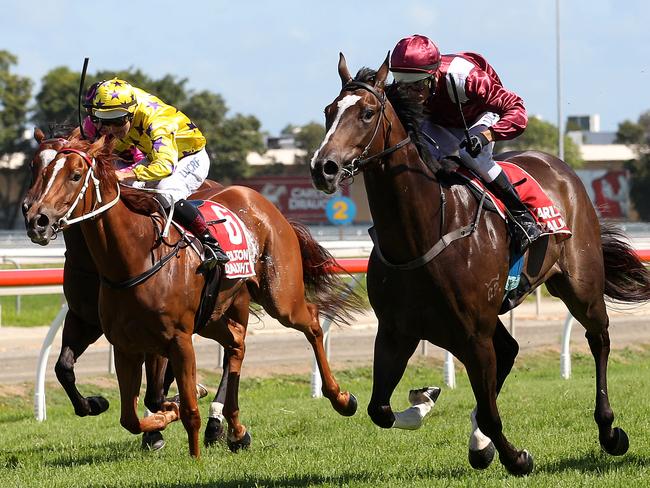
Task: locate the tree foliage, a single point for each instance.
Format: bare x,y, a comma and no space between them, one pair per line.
15,92
542,136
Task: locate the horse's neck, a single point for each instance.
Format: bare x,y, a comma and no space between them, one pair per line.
119,240
404,200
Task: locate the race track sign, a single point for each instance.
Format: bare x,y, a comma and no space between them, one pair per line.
340,210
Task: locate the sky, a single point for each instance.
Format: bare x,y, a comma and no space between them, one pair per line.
278,60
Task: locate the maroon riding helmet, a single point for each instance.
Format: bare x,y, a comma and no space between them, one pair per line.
416,55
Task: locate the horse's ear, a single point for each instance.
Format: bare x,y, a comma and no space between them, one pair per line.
382,74
97,146
39,136
344,73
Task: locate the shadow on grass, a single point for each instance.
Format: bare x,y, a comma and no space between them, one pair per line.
596,462
296,481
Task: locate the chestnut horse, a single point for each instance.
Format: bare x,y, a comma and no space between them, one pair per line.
429,280
157,316
82,327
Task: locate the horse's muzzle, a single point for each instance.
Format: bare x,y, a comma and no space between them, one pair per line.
326,175
40,227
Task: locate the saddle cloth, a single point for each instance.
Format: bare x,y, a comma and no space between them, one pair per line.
233,236
532,195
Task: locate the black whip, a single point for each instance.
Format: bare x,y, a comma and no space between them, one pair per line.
81,88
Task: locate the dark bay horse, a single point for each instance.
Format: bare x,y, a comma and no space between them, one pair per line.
449,290
82,327
157,316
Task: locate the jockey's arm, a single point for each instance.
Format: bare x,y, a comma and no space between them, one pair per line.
163,157
509,106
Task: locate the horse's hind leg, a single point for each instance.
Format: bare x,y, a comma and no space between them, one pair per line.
481,363
156,369
303,316
392,352
77,336
481,447
589,308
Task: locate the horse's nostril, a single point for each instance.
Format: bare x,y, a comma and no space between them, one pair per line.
43,221
330,168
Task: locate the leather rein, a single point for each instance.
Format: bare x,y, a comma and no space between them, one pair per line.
359,164
65,221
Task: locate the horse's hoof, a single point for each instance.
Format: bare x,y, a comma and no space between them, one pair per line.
152,441
351,408
619,444
97,405
483,458
523,466
242,443
424,395
214,432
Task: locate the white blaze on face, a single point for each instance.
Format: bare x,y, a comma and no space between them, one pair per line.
57,167
344,103
47,156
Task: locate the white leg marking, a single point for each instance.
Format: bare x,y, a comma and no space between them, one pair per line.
411,418
344,103
477,440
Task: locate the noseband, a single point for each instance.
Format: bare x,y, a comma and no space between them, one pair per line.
359,164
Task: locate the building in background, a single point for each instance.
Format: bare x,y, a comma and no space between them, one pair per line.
603,174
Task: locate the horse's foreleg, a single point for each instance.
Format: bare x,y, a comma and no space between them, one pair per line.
238,437
392,352
77,336
481,448
156,368
481,365
214,428
181,355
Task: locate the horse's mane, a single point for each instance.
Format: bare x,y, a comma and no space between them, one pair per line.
409,112
102,150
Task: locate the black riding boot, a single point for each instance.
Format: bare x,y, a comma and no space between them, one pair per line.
190,218
523,224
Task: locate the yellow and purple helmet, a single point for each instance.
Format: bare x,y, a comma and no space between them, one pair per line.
112,99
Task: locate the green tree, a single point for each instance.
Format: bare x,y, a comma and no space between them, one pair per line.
235,138
309,137
56,102
15,92
630,133
542,136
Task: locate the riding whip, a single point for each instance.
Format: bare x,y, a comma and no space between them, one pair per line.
460,109
81,88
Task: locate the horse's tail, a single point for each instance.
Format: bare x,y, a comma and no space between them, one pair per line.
324,284
626,278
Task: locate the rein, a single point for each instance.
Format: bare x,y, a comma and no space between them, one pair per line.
358,164
65,221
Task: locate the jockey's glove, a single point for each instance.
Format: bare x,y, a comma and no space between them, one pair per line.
476,142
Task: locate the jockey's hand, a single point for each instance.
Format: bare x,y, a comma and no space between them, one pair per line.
477,141
125,175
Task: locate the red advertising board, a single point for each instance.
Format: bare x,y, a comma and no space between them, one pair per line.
295,196
609,191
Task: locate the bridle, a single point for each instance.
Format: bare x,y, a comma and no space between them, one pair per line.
357,165
66,221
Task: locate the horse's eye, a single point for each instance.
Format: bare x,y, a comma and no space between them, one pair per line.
76,176
368,114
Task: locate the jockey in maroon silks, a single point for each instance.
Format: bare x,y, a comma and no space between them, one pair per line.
493,113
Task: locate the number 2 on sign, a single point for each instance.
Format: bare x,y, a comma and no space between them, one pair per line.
231,227
340,210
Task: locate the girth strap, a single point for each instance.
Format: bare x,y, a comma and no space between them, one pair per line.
437,248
